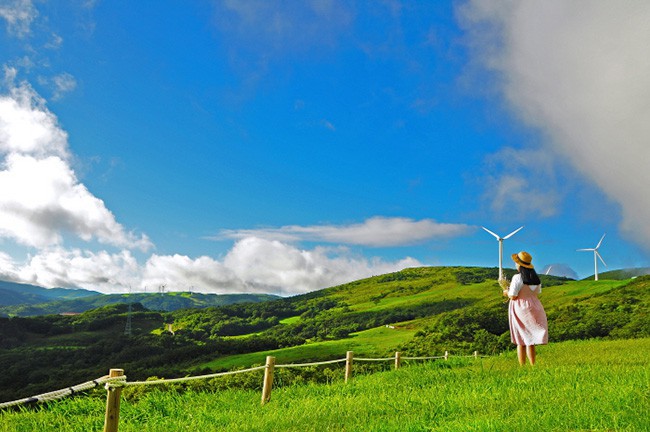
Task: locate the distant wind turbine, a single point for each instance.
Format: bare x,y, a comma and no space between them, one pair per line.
548,270
501,239
596,256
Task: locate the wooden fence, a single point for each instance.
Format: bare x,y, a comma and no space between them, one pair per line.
118,380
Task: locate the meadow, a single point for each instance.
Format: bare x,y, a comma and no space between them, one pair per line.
576,385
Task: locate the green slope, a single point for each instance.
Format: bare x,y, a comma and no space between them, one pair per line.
432,309
577,385
462,311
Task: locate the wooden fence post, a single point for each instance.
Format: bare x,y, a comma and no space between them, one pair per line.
268,379
398,359
446,355
348,365
112,418
475,354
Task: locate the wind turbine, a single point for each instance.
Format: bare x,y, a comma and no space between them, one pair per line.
548,270
596,256
501,239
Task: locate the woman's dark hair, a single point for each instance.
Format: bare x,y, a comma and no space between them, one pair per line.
529,276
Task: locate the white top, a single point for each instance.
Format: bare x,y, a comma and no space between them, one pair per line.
517,283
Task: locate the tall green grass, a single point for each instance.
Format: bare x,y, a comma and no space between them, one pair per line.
578,385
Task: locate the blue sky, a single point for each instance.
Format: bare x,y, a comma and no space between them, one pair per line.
282,147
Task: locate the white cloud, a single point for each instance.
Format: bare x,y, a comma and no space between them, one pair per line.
55,42
262,264
522,183
19,15
328,125
99,271
374,232
180,272
26,126
42,200
8,270
271,26
63,83
580,72
253,265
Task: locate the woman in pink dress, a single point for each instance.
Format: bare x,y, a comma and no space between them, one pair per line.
528,324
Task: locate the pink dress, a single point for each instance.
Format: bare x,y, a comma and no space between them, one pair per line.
528,324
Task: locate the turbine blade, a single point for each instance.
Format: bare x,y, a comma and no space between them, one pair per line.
601,258
496,236
513,233
548,270
586,250
601,240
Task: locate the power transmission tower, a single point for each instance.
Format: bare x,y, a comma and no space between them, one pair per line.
127,329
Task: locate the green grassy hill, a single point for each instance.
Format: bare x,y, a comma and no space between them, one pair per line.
576,385
418,311
627,273
452,308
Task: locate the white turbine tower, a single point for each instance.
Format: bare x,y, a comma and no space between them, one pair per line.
500,240
596,256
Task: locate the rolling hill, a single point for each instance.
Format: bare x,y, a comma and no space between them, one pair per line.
28,300
417,311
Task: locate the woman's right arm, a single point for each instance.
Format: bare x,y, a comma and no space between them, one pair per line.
515,287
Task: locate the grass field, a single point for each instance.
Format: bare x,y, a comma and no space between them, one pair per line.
578,386
371,342
379,341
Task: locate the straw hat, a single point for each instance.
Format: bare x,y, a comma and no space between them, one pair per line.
524,259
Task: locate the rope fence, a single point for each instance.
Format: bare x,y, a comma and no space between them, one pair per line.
309,364
59,394
116,381
184,379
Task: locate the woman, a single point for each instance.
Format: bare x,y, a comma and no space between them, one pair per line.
528,324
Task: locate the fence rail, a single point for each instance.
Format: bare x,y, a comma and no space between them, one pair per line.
116,380
58,394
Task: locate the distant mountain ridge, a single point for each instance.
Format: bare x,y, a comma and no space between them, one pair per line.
30,300
12,293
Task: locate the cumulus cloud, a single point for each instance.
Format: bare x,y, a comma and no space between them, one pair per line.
253,265
102,271
260,265
180,272
42,199
26,126
19,15
264,264
579,72
374,232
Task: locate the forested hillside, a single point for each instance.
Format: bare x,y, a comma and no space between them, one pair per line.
33,301
427,311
